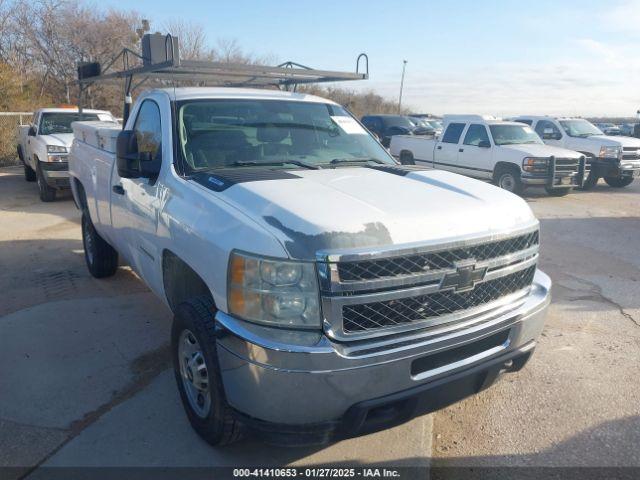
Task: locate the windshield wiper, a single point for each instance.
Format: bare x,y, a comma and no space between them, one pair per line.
337,161
253,163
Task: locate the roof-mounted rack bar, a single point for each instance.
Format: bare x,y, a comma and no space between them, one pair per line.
160,59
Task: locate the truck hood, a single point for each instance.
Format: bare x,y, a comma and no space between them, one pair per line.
357,208
58,139
612,141
535,150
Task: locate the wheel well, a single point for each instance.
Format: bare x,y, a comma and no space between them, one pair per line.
501,166
180,281
81,201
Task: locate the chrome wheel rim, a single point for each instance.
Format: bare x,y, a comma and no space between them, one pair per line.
507,182
194,373
88,242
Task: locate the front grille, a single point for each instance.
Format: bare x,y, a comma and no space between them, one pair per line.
374,315
630,153
567,165
424,262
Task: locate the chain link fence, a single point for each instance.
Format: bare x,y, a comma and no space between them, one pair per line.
9,122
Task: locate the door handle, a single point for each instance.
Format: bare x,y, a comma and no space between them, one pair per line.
118,189
461,150
439,147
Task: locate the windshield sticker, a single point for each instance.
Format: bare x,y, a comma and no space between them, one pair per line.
349,125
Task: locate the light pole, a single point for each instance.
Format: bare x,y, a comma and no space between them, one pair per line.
404,66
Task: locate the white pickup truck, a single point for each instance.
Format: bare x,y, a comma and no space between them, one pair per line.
614,158
43,146
312,300
509,154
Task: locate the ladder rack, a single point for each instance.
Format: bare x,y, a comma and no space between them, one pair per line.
169,67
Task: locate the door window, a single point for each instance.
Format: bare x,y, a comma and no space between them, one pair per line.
452,135
543,125
148,129
476,134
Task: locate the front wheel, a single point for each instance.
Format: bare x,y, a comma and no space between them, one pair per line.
101,258
47,193
508,179
195,366
619,182
558,192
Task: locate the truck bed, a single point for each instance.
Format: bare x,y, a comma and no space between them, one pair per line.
93,158
420,147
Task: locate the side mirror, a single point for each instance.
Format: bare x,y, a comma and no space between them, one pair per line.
32,131
549,134
484,144
132,163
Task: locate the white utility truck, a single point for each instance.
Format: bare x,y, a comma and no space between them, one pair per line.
612,157
311,299
508,153
44,144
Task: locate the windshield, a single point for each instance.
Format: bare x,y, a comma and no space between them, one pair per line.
235,133
435,124
60,122
580,128
513,134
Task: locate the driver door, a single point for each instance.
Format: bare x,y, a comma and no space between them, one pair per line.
476,153
135,202
550,133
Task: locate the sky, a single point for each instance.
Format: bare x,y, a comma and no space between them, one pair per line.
490,57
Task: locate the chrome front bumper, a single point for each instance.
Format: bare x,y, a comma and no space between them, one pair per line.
56,174
303,378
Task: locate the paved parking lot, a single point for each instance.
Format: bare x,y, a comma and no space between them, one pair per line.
85,378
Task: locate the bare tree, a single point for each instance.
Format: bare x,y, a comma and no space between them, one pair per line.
192,39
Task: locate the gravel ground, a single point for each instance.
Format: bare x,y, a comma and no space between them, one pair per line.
577,403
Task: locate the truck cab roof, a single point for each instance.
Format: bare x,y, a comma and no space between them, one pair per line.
189,93
69,110
483,119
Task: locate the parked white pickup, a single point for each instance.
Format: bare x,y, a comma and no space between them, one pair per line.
509,154
310,297
43,147
612,157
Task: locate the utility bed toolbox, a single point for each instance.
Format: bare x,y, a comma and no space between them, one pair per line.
102,135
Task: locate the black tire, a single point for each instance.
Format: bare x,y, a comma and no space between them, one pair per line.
406,158
211,418
619,182
558,191
47,193
29,174
508,178
591,181
101,258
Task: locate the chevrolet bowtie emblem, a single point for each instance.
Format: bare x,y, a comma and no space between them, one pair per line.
464,278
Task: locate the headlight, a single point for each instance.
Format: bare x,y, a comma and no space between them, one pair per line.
609,152
273,292
535,165
56,149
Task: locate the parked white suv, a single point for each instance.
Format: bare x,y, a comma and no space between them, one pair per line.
313,299
44,146
508,153
614,158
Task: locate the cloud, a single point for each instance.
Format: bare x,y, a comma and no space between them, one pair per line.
623,17
587,87
595,78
